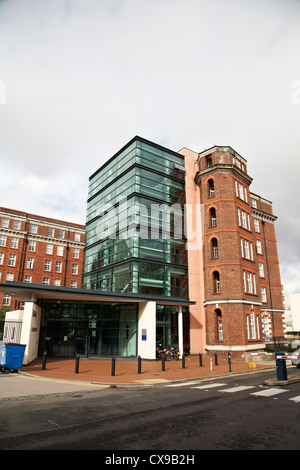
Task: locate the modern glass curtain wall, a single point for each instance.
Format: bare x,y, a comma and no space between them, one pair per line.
88,328
135,223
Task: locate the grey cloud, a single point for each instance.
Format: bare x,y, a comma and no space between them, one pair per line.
82,77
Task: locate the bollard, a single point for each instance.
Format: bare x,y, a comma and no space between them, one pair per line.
44,360
229,361
216,359
200,360
113,366
210,363
77,363
280,366
183,361
163,363
139,365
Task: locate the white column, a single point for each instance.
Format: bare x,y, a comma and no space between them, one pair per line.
147,330
180,330
31,331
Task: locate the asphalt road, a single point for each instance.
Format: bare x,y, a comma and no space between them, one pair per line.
234,412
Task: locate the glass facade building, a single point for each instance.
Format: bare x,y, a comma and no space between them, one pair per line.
135,226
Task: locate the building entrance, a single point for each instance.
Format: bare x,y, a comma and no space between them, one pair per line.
92,329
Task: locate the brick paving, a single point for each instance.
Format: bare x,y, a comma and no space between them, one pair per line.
126,370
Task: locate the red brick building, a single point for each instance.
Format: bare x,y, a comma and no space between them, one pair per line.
39,250
240,288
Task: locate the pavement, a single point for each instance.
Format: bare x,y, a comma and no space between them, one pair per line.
61,375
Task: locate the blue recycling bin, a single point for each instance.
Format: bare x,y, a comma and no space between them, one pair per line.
11,356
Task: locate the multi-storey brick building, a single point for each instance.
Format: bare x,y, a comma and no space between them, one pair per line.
239,306
214,288
39,250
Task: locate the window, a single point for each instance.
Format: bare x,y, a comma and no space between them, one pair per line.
58,266
60,250
29,264
12,260
6,299
256,226
31,246
208,161
219,324
241,191
9,277
75,269
211,188
263,294
47,265
258,247
34,228
5,223
57,282
3,240
266,326
252,324
77,237
74,284
257,327
249,282
244,219
213,217
51,232
49,249
46,281
214,246
76,253
216,282
61,234
28,279
261,270
1,258
17,225
254,283
254,203
247,251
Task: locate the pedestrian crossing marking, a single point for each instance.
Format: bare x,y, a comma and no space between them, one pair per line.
295,399
182,384
237,389
206,386
269,392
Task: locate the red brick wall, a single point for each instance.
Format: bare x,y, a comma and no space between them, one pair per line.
25,234
226,200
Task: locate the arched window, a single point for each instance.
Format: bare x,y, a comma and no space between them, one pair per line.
216,282
213,217
211,188
219,322
214,248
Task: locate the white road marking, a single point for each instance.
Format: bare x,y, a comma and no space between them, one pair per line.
270,392
237,389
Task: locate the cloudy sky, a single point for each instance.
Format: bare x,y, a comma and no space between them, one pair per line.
80,78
